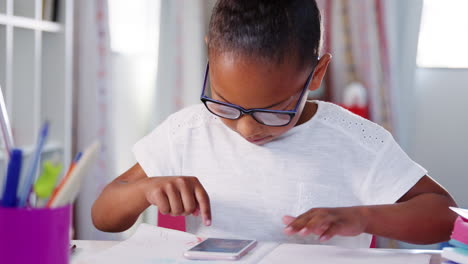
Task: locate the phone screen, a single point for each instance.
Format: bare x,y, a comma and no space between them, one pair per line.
221,245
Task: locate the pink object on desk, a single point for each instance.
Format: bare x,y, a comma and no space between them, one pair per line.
460,230
172,222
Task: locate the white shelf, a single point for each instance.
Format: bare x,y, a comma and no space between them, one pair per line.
36,75
30,23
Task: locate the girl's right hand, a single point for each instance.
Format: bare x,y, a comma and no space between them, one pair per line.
178,195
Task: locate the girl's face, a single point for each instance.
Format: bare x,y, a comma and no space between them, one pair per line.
252,84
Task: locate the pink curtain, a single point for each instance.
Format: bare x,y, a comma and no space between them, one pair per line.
356,35
92,107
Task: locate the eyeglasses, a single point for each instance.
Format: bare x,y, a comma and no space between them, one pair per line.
274,118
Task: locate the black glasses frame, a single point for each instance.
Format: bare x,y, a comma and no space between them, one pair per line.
252,111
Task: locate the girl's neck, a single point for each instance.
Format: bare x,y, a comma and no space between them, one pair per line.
308,112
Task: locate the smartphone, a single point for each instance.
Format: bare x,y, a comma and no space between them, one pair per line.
220,249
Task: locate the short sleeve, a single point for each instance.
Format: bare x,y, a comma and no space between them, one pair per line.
392,175
155,152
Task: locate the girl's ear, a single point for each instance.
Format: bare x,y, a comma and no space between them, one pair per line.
320,71
206,40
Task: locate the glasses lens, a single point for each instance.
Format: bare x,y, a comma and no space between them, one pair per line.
272,119
223,110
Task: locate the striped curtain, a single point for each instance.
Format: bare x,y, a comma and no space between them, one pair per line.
92,108
356,35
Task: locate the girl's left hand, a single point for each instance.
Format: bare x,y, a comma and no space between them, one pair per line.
328,222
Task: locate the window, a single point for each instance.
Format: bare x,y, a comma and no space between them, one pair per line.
443,39
134,26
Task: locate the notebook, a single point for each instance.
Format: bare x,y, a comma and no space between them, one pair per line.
454,254
298,254
152,244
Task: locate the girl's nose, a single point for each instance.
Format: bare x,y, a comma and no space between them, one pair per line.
248,127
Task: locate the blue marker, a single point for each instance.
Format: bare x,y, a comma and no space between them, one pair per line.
12,178
32,169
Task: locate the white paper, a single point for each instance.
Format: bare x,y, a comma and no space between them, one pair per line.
461,212
453,255
298,254
152,244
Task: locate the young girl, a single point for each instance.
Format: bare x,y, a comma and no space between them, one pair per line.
257,160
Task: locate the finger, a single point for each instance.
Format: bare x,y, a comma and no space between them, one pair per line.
320,230
317,225
299,223
196,212
175,200
287,219
317,229
159,198
329,233
204,203
188,197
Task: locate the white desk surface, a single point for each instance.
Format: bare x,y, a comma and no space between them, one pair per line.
86,248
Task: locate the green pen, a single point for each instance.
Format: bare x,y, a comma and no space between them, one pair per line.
45,184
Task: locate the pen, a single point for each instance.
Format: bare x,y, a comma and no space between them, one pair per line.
72,248
67,192
32,169
65,178
5,125
12,178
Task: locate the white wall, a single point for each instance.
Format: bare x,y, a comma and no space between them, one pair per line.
439,128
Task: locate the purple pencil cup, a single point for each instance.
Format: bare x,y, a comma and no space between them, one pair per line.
35,235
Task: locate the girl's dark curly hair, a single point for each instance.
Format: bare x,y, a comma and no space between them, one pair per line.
270,30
